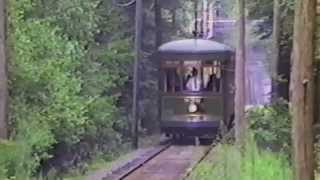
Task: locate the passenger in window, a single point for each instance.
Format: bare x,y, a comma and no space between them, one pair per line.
177,80
218,78
187,76
213,84
194,82
210,83
217,82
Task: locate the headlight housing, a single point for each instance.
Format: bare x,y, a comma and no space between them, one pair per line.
192,108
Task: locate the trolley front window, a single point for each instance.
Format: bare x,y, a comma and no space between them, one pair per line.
192,76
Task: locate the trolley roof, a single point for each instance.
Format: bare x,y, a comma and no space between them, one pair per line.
191,49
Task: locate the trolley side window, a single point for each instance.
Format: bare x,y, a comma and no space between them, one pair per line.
212,76
172,77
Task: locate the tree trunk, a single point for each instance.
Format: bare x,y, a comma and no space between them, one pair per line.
302,89
138,45
206,18
173,18
317,64
195,32
317,94
275,48
158,22
240,120
3,73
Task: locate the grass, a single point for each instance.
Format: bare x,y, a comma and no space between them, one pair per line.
98,164
101,165
225,162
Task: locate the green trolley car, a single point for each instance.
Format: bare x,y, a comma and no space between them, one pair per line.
196,81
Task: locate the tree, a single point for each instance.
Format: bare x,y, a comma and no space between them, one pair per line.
302,89
3,72
158,20
67,73
275,48
263,10
138,45
240,120
317,90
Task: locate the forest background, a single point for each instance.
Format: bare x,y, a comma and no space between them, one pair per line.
69,86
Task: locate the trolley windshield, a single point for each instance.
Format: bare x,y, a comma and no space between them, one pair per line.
192,76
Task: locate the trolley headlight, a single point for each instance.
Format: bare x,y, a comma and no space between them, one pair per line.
192,108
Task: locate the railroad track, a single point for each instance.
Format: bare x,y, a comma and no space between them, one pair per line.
164,162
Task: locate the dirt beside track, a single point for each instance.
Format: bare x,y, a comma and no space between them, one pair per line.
172,164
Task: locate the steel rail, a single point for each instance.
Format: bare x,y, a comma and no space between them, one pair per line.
194,165
131,166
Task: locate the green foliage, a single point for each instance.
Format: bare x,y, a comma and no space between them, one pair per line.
45,103
263,10
8,152
106,72
253,163
17,161
317,153
260,9
77,19
271,126
64,87
45,80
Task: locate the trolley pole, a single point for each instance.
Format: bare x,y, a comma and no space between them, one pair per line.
138,45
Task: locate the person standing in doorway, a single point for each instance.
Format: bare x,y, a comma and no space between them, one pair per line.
194,82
